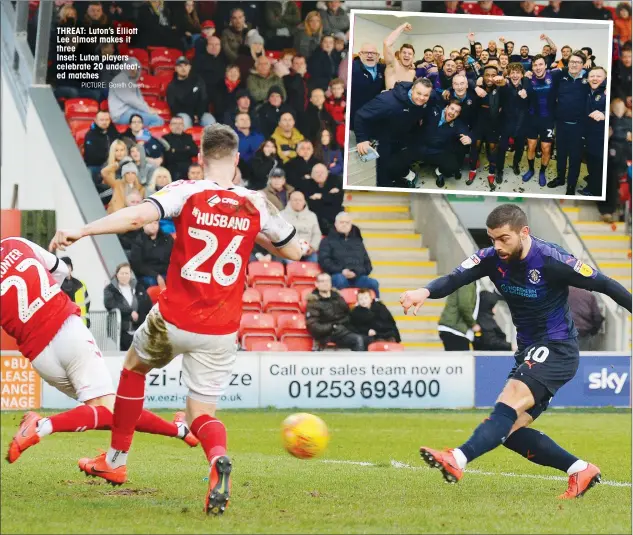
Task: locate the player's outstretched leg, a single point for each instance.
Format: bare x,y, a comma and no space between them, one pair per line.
538,448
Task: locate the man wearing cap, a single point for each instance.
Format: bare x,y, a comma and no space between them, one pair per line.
262,79
77,291
125,97
208,31
187,96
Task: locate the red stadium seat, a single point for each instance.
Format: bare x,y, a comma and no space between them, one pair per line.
251,300
103,105
196,133
163,58
159,131
265,346
165,78
121,127
80,135
189,54
351,295
289,324
259,325
385,346
299,343
304,294
151,86
153,292
271,273
141,55
80,108
163,109
280,299
302,273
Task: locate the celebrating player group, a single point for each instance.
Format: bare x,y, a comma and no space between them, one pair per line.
445,108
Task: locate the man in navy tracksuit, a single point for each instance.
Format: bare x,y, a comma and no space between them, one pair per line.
368,79
571,89
390,119
465,94
515,102
593,130
439,143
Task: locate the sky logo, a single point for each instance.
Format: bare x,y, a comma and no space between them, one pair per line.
607,381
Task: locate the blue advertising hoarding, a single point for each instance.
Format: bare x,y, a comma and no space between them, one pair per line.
600,381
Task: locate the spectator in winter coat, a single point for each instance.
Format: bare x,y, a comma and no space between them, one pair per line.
97,143
262,79
121,188
299,168
278,191
335,104
243,104
125,98
334,18
145,170
282,19
458,322
131,299
264,161
150,255
328,151
305,223
187,96
287,137
308,37
137,134
253,48
587,317
316,117
372,318
249,140
491,337
296,84
234,36
182,148
156,26
343,255
368,79
621,76
224,96
622,23
128,239
77,291
328,317
210,65
271,110
187,23
323,64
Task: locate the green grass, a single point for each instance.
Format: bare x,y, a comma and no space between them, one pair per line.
44,492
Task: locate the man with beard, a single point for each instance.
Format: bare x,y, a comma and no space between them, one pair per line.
443,80
439,143
368,79
571,91
476,47
534,277
390,118
399,68
488,127
438,56
541,116
564,60
593,127
515,102
523,57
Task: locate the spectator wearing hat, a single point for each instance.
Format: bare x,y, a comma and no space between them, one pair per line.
182,148
125,98
334,18
287,137
271,110
234,36
296,84
282,19
77,291
316,117
188,23
323,64
150,255
243,104
308,36
249,139
137,134
261,80
299,168
97,143
305,223
264,161
121,188
278,190
208,30
252,49
340,45
187,96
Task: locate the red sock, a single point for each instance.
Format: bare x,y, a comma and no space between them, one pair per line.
211,433
150,423
127,409
82,418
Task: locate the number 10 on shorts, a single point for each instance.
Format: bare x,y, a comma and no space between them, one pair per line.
537,354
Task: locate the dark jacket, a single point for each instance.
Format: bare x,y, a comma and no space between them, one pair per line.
338,252
314,120
377,318
329,204
211,69
326,316
269,117
297,91
298,172
585,311
150,258
230,114
468,115
594,130
141,303
491,337
621,80
572,96
364,87
260,168
391,115
438,139
97,144
515,108
187,96
78,293
178,158
150,30
128,239
224,100
323,67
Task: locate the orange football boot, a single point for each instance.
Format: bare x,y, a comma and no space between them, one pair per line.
25,437
443,460
189,438
581,482
98,467
217,498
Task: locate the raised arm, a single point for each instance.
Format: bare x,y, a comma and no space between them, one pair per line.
387,49
551,43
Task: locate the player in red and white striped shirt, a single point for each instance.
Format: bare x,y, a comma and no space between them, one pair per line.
198,314
50,333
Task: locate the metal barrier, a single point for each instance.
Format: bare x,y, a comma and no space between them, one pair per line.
106,328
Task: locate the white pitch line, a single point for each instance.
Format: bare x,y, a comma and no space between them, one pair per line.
400,465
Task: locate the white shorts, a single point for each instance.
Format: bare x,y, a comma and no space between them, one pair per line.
207,359
73,364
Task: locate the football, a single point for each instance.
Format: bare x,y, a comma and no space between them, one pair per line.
304,435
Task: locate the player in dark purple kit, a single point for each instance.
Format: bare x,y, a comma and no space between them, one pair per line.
534,278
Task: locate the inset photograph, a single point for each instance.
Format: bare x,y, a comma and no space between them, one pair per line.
476,105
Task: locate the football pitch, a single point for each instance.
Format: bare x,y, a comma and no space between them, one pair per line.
370,480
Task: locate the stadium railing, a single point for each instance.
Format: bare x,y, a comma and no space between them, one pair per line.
105,326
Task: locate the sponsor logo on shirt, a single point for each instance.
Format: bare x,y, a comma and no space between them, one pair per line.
583,269
519,290
471,262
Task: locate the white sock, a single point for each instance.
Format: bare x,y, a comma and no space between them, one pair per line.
578,466
182,430
437,172
44,427
116,458
460,458
410,176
